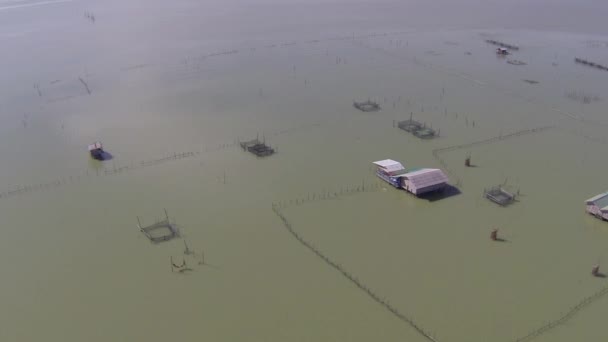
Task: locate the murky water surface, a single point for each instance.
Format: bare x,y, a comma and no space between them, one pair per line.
171,87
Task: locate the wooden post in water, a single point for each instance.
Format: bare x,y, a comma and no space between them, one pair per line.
202,262
187,250
166,215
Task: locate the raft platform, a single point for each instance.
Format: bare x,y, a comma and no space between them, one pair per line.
499,196
417,129
367,106
257,147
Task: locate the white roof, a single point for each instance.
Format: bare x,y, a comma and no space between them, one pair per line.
426,177
389,164
95,146
595,198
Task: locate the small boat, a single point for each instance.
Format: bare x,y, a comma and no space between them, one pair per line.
502,51
96,150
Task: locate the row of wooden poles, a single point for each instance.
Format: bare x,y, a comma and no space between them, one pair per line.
292,43
565,317
327,194
26,189
591,64
353,279
193,62
505,45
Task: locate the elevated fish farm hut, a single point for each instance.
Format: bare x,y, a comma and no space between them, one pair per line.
96,151
499,196
367,106
390,171
423,181
162,230
417,182
598,206
257,147
418,129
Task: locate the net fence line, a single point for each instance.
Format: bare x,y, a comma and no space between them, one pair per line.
565,317
438,151
18,190
324,195
352,278
88,174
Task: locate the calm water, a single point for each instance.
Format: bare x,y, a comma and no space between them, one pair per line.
175,84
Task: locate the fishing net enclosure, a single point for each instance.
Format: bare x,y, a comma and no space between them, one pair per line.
367,106
162,230
417,129
499,196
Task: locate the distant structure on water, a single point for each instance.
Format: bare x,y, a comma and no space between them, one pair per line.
367,106
257,147
502,51
390,171
418,129
499,195
90,16
96,151
417,182
598,206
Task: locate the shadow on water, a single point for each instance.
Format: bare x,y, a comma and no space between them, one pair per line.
106,156
447,192
103,156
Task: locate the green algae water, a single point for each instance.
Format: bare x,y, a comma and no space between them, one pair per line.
170,88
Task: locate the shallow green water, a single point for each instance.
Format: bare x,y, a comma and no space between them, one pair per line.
175,86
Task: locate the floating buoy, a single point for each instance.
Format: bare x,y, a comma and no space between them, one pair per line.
494,235
467,162
595,271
